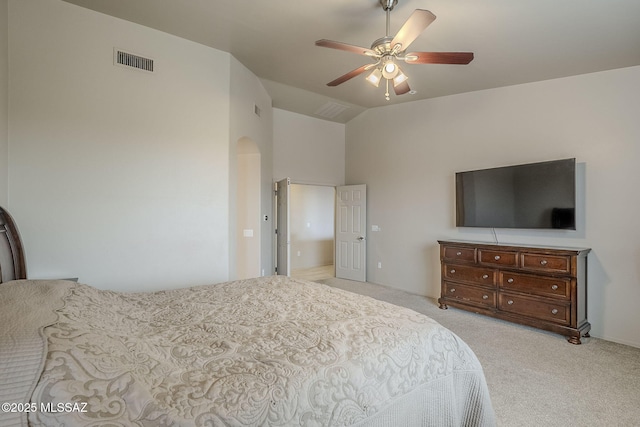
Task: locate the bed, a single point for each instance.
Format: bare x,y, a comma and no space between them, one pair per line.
271,351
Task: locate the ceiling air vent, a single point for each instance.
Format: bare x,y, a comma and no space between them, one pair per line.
130,60
331,110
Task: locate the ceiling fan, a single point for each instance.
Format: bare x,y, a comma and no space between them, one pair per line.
387,51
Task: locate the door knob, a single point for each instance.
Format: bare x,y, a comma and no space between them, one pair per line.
361,238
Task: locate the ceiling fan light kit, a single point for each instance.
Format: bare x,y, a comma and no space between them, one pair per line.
387,51
401,77
375,77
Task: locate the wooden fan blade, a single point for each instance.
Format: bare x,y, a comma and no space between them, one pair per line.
401,88
346,47
350,75
439,57
412,28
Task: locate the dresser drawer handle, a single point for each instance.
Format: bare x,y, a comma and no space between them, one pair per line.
458,253
554,287
510,302
554,311
485,276
453,270
510,280
497,257
543,262
485,296
452,290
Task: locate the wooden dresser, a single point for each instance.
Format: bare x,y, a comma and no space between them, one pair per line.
543,287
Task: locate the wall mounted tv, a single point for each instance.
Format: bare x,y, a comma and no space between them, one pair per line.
530,196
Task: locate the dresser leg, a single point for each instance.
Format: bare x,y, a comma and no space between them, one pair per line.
575,340
443,306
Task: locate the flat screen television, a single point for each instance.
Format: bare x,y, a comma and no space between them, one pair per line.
529,196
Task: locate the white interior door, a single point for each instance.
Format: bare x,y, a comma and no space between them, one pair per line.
283,239
351,227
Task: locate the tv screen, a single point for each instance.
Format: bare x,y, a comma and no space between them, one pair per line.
534,196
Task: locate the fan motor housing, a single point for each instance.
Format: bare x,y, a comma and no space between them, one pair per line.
388,4
382,46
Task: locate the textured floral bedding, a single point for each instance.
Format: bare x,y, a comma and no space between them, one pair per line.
271,351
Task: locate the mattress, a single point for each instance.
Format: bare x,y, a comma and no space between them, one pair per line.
270,351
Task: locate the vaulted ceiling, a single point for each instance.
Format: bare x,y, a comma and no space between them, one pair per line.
514,42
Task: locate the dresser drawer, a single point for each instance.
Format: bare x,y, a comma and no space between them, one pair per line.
535,307
469,294
537,285
500,258
550,263
454,253
465,273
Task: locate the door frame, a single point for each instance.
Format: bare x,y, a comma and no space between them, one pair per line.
281,230
276,214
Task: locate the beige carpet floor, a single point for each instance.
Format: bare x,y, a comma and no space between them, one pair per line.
536,378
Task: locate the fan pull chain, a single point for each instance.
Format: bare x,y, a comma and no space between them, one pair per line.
386,95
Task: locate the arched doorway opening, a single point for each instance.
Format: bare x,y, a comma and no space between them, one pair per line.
248,209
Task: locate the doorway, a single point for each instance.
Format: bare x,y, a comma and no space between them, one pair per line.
311,231
340,230
248,210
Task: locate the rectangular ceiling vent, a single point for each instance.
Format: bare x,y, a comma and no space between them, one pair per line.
331,110
130,60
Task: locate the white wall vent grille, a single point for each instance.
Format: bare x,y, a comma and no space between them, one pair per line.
130,60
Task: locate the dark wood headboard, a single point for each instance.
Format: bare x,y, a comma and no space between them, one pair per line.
12,262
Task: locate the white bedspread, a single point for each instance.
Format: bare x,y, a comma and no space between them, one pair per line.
271,351
26,307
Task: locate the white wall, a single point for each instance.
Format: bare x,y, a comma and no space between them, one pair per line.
4,105
247,93
307,150
116,176
409,168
